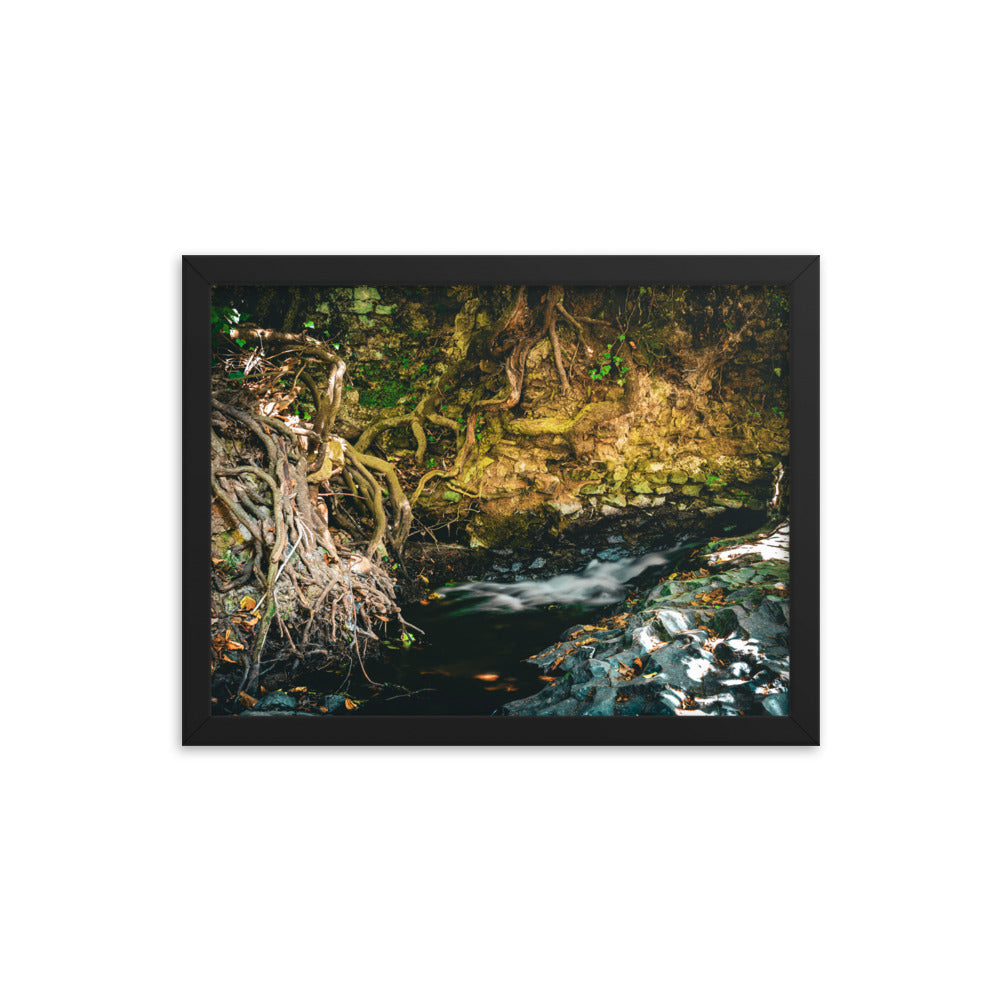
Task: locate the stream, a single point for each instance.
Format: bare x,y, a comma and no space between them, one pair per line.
477,634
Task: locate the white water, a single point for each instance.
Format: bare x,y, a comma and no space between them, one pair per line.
599,583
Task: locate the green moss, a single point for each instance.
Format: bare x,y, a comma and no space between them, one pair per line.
518,529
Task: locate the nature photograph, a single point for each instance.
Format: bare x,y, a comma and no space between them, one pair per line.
500,500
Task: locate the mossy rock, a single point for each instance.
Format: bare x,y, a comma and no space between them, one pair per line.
496,529
725,622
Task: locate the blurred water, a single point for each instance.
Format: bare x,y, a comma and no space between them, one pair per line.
599,583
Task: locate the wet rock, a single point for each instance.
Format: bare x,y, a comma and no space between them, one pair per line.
566,508
603,702
671,622
570,706
776,704
667,657
681,666
334,702
611,555
276,701
725,622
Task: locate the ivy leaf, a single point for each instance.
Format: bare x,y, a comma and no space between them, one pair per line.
243,343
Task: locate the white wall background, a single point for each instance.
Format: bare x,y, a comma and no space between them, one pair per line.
862,131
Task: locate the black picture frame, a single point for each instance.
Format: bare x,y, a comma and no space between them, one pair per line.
799,273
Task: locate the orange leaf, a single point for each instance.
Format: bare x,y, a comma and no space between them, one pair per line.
247,603
245,699
235,645
298,690
487,677
216,561
348,704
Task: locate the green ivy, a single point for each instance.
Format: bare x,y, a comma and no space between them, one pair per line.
610,362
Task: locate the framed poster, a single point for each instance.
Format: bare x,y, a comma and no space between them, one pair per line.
501,500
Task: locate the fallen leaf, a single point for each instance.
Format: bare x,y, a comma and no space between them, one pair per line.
350,705
246,699
487,677
247,603
298,690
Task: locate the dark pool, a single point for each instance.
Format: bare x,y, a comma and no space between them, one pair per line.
467,662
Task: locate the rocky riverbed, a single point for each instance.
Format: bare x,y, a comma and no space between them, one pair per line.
711,641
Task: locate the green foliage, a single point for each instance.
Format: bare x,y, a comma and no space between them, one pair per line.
610,364
229,561
223,322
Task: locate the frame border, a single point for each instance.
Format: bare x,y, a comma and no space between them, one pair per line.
800,728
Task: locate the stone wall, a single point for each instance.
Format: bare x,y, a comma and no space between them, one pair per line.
681,431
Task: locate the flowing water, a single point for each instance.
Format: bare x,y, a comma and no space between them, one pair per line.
478,634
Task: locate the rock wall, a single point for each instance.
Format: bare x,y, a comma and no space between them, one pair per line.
671,405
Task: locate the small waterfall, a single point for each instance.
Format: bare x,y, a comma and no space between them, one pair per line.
599,583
